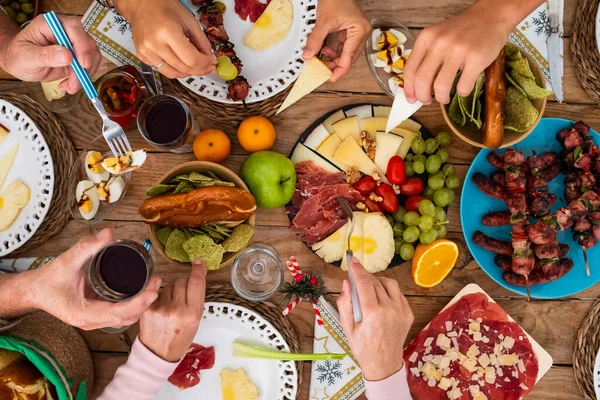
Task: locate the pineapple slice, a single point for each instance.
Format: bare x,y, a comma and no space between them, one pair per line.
356,240
331,249
272,26
378,242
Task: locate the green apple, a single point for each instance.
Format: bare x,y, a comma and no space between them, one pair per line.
271,178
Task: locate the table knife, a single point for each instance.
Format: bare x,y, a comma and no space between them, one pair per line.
554,56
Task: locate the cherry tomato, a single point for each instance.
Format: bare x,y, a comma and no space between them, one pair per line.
390,200
372,206
365,185
412,203
396,171
412,186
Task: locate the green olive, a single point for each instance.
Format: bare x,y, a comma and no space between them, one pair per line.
16,6
21,17
10,11
27,8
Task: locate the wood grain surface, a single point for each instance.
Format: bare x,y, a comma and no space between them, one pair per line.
552,323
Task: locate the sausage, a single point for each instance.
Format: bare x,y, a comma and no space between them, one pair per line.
496,160
487,186
496,218
494,245
495,96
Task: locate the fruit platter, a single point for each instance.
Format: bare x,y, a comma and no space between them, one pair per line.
534,221
399,184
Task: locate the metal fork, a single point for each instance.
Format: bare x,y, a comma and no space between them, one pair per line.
112,132
358,316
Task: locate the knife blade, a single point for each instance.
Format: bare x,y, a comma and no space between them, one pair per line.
401,110
554,56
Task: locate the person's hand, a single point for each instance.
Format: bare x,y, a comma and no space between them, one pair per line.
468,42
169,326
377,341
33,54
163,30
347,19
59,289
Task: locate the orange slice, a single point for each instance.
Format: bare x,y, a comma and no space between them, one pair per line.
432,263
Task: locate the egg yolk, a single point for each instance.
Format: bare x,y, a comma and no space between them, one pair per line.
387,40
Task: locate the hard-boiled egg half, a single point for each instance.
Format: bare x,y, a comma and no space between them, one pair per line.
122,164
112,190
395,82
397,66
386,57
385,38
87,199
94,169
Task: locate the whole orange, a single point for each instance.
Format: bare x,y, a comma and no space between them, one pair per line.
212,145
256,134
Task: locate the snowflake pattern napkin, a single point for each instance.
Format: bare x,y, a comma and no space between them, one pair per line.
333,380
533,32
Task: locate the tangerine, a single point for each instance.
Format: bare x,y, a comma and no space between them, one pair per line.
212,145
433,262
256,134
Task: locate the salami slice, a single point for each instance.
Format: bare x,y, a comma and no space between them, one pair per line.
250,9
187,373
471,351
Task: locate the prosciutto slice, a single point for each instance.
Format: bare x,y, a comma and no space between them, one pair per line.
187,373
315,207
251,9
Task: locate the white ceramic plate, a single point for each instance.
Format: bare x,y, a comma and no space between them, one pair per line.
597,375
268,72
33,166
221,325
598,29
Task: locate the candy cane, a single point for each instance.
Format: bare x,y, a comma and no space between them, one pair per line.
295,264
317,313
291,268
291,306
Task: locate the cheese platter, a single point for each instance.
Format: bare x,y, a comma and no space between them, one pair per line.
399,184
473,346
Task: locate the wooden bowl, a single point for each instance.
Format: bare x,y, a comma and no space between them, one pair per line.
220,171
470,134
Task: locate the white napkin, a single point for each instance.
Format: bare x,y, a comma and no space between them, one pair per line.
330,380
532,33
23,264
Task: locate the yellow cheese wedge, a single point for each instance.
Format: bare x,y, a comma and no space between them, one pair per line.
351,154
381,111
328,147
387,147
12,200
372,125
408,138
410,125
6,162
348,127
333,118
3,133
51,90
314,74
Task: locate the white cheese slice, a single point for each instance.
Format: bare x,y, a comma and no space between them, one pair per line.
387,145
333,118
6,162
348,127
316,137
302,153
314,74
328,147
401,110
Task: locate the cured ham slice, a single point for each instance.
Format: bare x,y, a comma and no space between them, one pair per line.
187,373
250,9
315,207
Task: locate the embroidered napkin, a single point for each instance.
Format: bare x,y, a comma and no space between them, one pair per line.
333,380
532,33
23,264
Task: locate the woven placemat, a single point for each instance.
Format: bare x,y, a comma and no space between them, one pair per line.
233,114
63,157
222,292
584,354
584,49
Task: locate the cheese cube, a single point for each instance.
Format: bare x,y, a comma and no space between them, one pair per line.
474,390
490,375
448,326
444,384
431,382
414,371
484,360
445,362
480,396
508,342
428,342
493,359
474,327
477,336
521,366
428,371
413,357
473,351
469,364
508,359
454,394
443,342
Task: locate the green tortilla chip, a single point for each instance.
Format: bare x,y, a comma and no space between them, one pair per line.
239,238
522,67
512,52
198,177
163,234
202,247
477,93
514,84
159,190
519,113
174,246
478,108
455,111
533,91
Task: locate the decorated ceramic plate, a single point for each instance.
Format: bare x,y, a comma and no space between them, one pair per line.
475,204
222,324
32,165
268,72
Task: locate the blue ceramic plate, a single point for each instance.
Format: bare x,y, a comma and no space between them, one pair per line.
474,205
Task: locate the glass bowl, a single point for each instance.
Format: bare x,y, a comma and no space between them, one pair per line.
78,173
378,73
58,106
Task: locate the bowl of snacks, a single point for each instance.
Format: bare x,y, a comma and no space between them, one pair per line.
55,99
21,11
387,51
199,210
99,181
483,118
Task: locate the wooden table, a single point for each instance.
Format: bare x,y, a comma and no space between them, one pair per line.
553,323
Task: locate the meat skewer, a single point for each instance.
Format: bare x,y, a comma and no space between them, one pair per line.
523,260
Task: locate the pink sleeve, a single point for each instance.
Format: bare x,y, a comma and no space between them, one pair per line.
140,377
393,388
